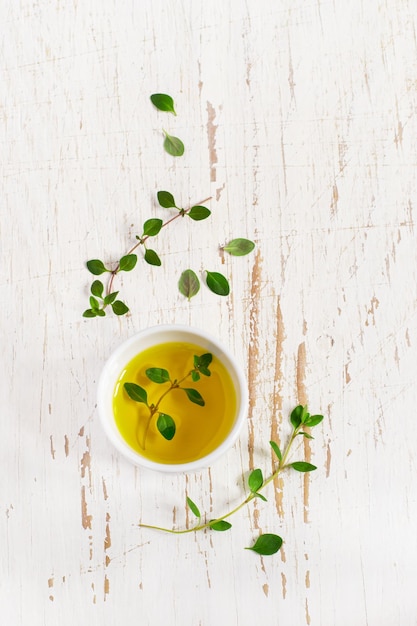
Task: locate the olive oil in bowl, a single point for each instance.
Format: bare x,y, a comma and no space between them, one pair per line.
199,429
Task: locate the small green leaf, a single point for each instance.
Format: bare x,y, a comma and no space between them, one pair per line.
111,297
306,435
119,307
157,375
127,262
255,480
96,267
276,449
136,393
203,361
266,544
194,396
296,416
101,313
166,426
152,258
313,420
303,466
217,283
89,313
198,213
195,376
94,303
193,507
152,227
188,284
163,102
166,200
97,288
220,525
173,145
259,495
239,247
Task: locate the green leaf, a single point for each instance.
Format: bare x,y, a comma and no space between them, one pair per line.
111,297
239,247
166,200
89,313
195,376
157,375
119,307
259,495
166,426
194,396
101,313
193,507
255,480
306,435
97,288
96,267
152,227
173,145
94,303
303,466
198,213
220,525
152,258
266,544
127,262
313,420
276,449
296,416
217,283
188,284
136,393
203,361
163,102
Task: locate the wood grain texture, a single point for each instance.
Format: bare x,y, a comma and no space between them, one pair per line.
299,120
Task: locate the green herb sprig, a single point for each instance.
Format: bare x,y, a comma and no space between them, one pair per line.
267,543
101,298
165,423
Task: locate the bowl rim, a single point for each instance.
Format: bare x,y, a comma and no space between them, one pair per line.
126,351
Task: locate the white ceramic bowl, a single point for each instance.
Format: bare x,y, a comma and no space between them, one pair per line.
146,339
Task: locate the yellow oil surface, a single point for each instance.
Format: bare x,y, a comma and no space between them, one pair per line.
199,430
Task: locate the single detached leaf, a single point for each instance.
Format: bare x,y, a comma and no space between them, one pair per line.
166,199
220,525
128,262
152,227
303,466
217,283
152,258
97,288
173,145
276,449
188,284
166,426
193,507
119,307
195,376
90,313
163,102
194,396
296,416
198,213
157,375
136,393
266,544
239,247
96,267
111,297
255,480
313,420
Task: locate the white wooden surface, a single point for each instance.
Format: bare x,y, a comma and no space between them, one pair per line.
299,119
